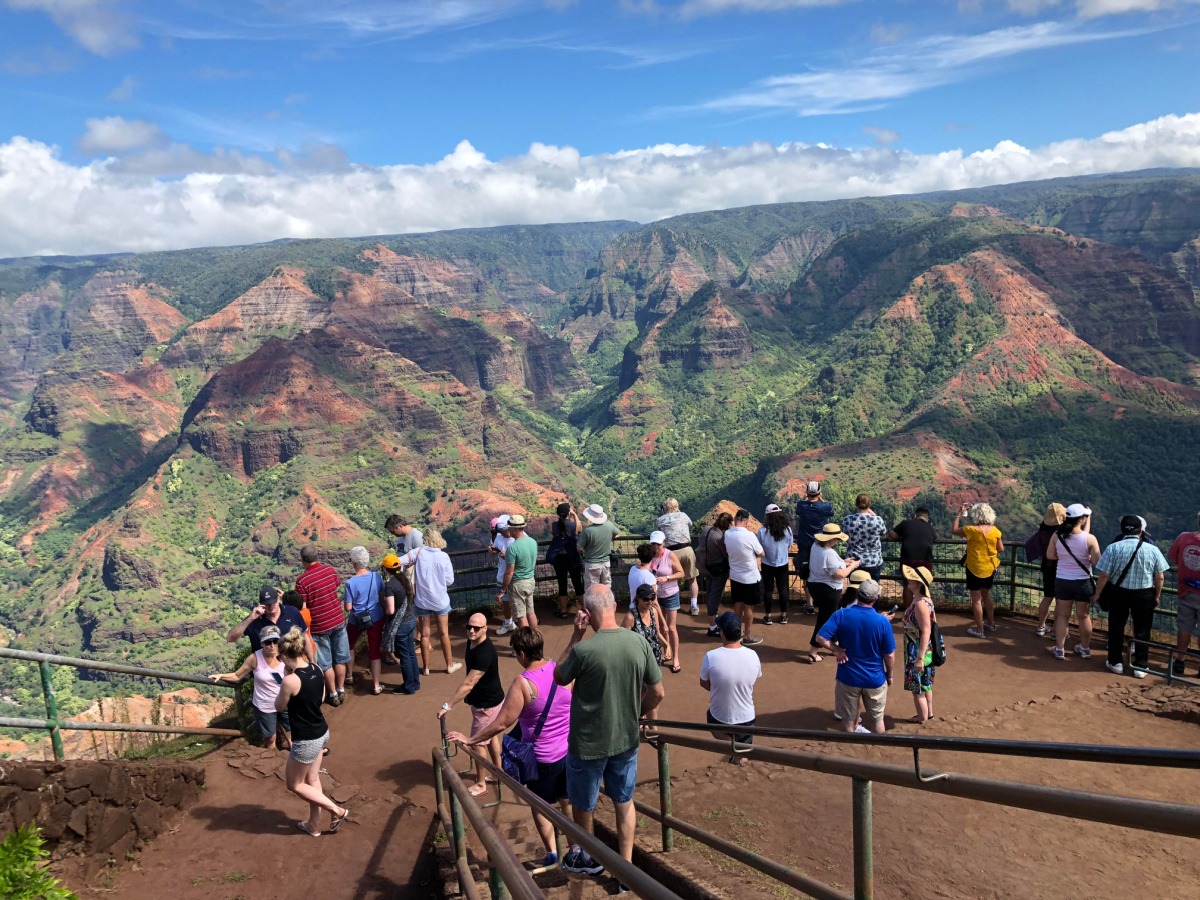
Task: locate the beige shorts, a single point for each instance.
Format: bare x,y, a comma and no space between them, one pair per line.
520,595
596,573
687,559
846,699
481,718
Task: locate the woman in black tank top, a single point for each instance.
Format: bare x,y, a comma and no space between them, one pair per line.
301,694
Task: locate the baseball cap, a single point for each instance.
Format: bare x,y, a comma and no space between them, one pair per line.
773,507
730,625
645,592
390,561
269,595
657,537
868,590
1132,524
502,522
1077,511
814,488
269,633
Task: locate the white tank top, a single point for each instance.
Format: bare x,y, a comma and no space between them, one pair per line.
267,682
1068,569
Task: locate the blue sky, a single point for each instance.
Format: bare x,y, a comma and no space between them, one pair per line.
218,121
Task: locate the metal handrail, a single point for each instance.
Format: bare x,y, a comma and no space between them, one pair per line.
56,726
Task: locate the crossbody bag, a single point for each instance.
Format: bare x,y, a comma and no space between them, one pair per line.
517,755
1104,601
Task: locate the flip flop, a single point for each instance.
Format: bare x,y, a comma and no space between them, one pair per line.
376,691
913,720
477,790
338,820
303,826
676,668
813,658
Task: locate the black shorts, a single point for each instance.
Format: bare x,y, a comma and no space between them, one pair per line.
551,781
1073,590
749,594
1049,575
975,583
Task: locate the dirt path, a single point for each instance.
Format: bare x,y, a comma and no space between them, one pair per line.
240,840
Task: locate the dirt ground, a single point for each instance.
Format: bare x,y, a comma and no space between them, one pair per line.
240,840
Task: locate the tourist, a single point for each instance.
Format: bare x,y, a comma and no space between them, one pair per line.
268,670
866,652
776,539
399,636
1133,570
1076,550
918,651
1185,553
985,543
543,709
644,619
595,546
616,683
408,538
826,580
744,552
713,561
365,614
668,573
432,574
482,691
677,526
853,582
300,695
293,600
268,612
728,673
865,528
520,566
640,572
812,513
1035,551
563,554
916,537
319,585
501,541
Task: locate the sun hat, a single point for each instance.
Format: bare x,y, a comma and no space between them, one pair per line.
1055,513
516,521
656,537
814,488
920,573
773,507
269,633
269,595
858,576
1077,511
729,624
868,590
595,514
390,561
831,532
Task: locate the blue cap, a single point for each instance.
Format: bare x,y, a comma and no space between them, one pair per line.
730,624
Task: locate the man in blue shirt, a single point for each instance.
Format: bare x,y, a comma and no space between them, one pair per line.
866,651
268,612
812,513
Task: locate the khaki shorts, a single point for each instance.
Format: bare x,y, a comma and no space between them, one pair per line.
687,559
596,573
520,595
1188,614
846,698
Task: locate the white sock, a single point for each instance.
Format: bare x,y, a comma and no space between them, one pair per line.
509,622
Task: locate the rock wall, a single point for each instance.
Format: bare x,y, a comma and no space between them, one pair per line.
101,810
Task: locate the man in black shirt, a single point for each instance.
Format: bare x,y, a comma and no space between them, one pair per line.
481,689
916,537
268,612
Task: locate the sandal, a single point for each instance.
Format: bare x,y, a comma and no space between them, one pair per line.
303,826
338,820
477,790
676,668
377,690
814,658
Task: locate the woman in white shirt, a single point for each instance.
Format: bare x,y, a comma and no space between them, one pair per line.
826,579
433,573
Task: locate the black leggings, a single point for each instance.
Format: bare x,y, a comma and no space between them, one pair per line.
826,598
1125,605
775,580
563,568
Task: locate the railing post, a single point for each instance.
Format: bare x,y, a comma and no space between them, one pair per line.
51,709
1012,579
664,795
496,883
460,831
864,866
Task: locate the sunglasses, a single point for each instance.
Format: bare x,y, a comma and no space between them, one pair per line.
270,641
476,627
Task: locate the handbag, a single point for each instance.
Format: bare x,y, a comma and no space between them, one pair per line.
937,645
517,756
1104,601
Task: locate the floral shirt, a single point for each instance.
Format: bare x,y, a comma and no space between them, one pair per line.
865,530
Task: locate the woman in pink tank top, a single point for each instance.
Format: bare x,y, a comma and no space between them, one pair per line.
668,572
527,700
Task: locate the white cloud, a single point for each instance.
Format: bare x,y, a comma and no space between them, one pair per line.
881,135
708,7
114,134
49,206
1087,9
101,26
124,90
889,73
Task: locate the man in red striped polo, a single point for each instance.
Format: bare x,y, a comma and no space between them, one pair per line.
319,584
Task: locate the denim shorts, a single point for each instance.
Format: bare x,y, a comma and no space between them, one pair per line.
426,613
669,603
619,774
333,648
269,720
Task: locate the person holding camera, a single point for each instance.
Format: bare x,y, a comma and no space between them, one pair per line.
985,543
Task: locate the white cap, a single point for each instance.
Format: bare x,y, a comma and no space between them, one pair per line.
814,488
502,522
1077,511
657,537
773,507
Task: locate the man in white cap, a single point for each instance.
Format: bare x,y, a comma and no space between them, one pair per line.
520,563
500,544
595,545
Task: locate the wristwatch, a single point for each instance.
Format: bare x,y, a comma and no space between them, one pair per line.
446,707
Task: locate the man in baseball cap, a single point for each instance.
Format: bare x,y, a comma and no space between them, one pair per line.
728,673
268,612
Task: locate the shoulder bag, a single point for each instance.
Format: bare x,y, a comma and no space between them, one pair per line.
518,756
937,645
1088,569
1104,601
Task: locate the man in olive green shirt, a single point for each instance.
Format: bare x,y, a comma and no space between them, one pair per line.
520,563
617,682
595,545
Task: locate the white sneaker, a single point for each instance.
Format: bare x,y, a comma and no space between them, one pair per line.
860,730
1138,673
695,609
1115,668
1042,630
504,629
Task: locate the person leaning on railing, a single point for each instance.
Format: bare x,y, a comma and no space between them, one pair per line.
274,729
985,543
1133,570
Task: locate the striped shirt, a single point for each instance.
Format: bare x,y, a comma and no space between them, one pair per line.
1149,560
318,585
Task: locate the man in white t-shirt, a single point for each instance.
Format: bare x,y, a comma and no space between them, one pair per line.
500,544
728,673
744,551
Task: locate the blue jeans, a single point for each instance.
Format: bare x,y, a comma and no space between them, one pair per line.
405,649
333,647
619,774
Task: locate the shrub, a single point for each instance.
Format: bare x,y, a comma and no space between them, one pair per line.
23,874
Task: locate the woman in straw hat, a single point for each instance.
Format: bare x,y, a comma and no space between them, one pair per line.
1035,550
826,579
918,653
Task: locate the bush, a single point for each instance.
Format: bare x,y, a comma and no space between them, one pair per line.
23,874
